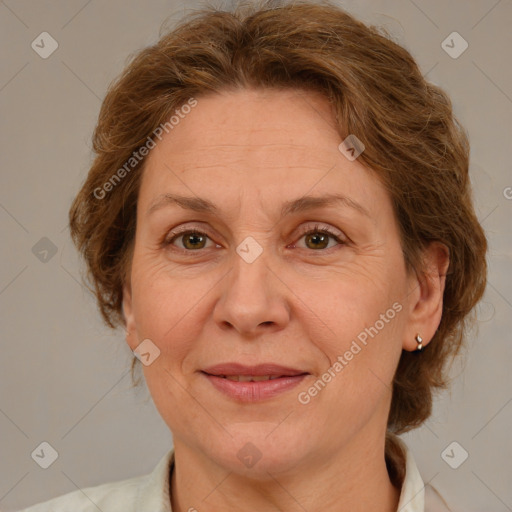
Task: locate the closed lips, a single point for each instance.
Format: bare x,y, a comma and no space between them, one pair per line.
243,373
249,378
255,383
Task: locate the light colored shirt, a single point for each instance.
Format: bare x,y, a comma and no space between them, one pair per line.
150,493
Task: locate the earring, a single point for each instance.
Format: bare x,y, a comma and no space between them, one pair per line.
419,341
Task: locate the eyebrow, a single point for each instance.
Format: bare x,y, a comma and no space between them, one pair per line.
305,203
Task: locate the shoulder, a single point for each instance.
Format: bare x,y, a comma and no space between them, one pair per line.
147,493
433,500
111,497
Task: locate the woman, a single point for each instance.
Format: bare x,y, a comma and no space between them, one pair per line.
279,215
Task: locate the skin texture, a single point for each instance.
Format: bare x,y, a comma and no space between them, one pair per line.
296,305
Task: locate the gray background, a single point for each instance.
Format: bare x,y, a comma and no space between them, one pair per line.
65,377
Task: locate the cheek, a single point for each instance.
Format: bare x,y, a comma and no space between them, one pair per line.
172,309
362,343
362,303
165,308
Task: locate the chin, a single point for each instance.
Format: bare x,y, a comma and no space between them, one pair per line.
257,449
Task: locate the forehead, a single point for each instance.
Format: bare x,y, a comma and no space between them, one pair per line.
256,143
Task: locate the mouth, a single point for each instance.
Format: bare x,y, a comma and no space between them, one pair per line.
249,378
253,383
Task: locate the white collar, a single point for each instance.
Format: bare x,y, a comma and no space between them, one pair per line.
412,496
153,494
417,496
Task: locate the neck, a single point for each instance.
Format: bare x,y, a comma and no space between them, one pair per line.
354,479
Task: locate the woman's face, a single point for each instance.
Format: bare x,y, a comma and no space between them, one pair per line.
331,312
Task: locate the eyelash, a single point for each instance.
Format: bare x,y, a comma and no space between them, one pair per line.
173,235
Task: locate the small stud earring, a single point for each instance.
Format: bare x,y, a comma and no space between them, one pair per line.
419,340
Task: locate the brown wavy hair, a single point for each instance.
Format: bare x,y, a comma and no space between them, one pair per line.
413,143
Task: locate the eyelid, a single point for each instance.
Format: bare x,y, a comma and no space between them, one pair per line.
326,228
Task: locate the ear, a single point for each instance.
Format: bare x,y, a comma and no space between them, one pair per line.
131,332
426,296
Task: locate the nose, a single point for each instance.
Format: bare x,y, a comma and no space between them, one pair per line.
252,298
